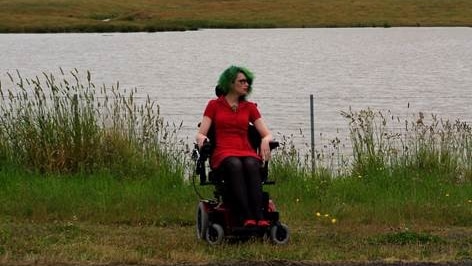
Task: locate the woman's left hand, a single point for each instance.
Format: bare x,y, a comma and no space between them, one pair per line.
264,150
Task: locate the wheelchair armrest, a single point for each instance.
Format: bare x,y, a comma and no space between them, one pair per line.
201,155
265,168
273,144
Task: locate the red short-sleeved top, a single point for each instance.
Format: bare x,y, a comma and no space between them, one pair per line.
231,128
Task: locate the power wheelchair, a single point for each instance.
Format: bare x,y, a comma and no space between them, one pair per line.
214,218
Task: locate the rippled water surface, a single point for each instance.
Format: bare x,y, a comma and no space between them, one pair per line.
404,70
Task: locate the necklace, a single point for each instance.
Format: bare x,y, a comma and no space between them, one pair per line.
232,102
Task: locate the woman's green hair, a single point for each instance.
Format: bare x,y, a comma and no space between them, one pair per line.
228,77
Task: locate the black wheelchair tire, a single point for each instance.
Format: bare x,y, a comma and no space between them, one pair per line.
279,234
201,221
214,234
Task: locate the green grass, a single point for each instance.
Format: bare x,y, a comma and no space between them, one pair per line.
91,175
99,198
145,15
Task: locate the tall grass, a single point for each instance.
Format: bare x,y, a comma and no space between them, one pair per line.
400,172
69,125
433,146
70,150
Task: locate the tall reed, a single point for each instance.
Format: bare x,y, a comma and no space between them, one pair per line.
70,125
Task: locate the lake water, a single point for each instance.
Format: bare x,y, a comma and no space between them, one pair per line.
404,70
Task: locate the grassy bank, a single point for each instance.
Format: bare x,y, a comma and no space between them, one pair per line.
91,175
100,219
144,15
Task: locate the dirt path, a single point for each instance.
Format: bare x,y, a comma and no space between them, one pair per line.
276,263
308,263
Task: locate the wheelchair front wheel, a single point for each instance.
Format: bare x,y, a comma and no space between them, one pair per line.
215,234
201,221
279,234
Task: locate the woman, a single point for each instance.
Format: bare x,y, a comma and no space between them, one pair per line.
231,114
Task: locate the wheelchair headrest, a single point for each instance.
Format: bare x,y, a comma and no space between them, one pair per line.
218,91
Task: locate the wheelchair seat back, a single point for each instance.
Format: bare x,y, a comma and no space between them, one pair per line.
205,152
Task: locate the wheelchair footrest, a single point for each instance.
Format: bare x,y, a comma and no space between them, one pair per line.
248,230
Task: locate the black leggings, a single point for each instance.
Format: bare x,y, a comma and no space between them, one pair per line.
243,178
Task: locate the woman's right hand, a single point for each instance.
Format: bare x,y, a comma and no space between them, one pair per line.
201,140
203,131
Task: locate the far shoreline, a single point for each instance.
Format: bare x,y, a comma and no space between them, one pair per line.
248,28
105,16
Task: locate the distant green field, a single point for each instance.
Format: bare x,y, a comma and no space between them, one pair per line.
160,15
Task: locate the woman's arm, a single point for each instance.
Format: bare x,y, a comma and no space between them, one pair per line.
266,138
203,130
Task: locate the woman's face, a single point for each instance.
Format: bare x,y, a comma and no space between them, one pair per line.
241,85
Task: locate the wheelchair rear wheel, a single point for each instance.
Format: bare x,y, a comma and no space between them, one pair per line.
201,221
